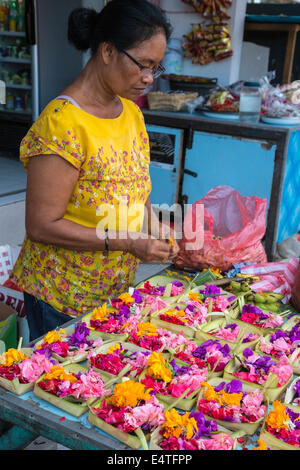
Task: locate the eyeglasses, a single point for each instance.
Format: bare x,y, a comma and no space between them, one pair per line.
155,71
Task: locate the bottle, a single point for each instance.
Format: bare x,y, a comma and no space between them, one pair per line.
2,16
250,102
21,16
13,15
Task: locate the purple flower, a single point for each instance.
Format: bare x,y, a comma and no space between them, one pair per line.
137,297
249,308
297,387
294,417
179,370
201,351
81,331
231,327
177,283
247,352
295,333
210,290
205,427
278,334
235,386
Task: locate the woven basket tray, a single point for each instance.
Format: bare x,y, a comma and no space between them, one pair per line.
248,428
14,386
157,100
271,441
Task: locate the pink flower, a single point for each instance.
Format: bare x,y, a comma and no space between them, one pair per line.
220,441
34,367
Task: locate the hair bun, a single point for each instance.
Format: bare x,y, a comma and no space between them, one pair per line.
81,26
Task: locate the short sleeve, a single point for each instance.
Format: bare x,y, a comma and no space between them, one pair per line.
53,134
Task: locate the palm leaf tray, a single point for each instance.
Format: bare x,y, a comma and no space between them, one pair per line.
271,441
269,388
75,407
14,386
156,438
248,428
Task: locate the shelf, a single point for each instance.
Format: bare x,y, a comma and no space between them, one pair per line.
12,60
13,34
18,87
24,114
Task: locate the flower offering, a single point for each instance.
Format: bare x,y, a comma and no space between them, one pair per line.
191,431
211,353
256,368
130,409
255,316
168,379
117,357
282,343
26,369
283,424
63,346
231,402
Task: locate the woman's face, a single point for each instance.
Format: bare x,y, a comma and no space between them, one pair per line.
124,77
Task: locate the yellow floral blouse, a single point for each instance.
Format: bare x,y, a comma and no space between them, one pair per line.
112,156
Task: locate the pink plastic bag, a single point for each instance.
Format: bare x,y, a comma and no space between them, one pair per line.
234,226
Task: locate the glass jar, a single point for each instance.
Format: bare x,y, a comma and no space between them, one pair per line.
250,102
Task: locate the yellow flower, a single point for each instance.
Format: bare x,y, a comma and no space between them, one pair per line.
221,397
177,313
11,356
128,393
261,445
156,368
57,372
171,242
194,296
54,336
278,418
126,298
147,328
177,425
113,348
231,399
100,313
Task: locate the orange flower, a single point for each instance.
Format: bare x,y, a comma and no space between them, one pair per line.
176,313
157,369
278,418
11,356
261,445
171,242
177,425
194,296
100,313
57,372
126,298
147,328
128,393
231,399
53,337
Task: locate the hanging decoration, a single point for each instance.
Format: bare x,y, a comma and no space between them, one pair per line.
209,41
212,9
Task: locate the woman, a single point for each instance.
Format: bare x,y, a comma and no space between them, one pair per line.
87,158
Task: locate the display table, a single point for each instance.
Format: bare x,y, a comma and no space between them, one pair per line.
255,159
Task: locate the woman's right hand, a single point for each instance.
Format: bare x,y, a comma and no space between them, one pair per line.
149,249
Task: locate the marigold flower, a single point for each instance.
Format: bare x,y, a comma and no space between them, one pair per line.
114,347
177,425
11,356
100,313
278,418
261,445
147,328
59,373
54,337
128,393
126,298
156,368
194,296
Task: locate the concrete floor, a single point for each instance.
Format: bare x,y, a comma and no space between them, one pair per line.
41,443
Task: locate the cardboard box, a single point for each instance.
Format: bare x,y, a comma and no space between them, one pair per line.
8,326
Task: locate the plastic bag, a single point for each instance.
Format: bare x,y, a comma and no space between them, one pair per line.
234,226
281,100
296,290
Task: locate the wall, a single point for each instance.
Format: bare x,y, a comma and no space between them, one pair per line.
182,16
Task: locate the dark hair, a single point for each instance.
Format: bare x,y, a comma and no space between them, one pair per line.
123,23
